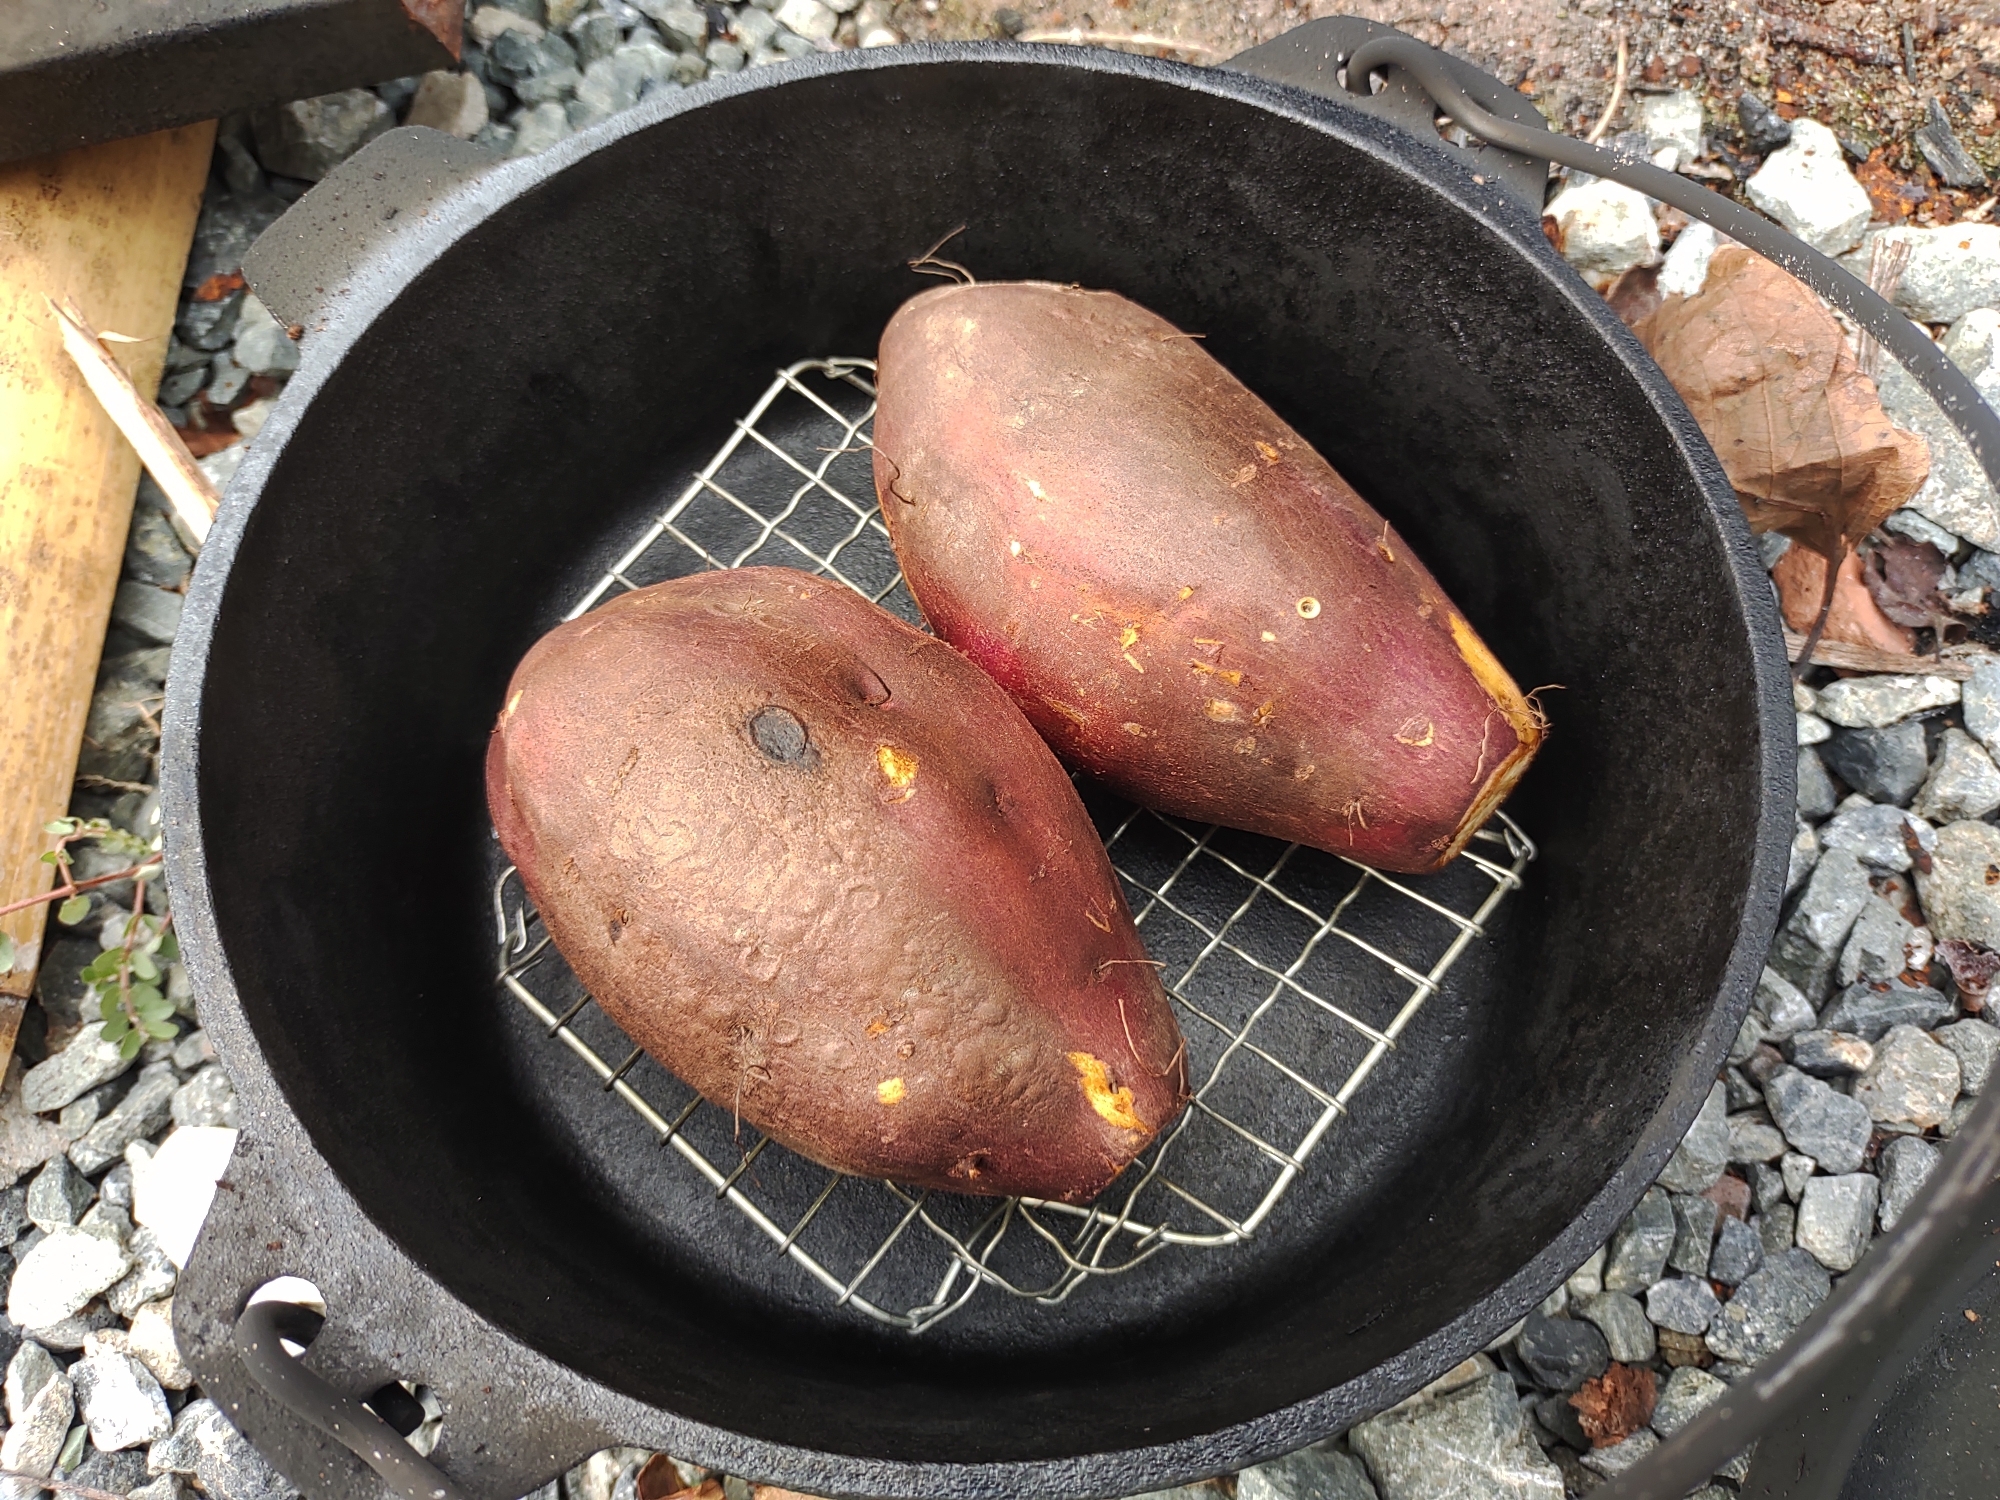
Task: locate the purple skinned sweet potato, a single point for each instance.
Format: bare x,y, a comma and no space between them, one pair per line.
820,867
1184,598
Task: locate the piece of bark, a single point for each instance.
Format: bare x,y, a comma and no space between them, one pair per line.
1854,620
1800,431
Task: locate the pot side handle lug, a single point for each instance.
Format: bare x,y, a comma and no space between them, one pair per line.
309,259
1310,57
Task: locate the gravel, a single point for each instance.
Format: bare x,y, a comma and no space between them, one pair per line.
1827,1126
1561,1353
1686,1304
1955,892
57,1197
1828,1054
1836,1218
204,1445
1472,1444
1817,794
1702,1154
1912,1081
1687,1392
1869,1010
1640,1248
1883,945
40,1403
120,1400
1878,702
1964,782
1784,1006
1875,833
1808,945
1768,1306
1906,1164
1975,1044
141,1113
1753,1139
308,138
1622,1321
1310,1474
1619,1457
1603,228
1956,493
1694,1233
1952,269
60,1275
1738,1252
1806,186
1884,765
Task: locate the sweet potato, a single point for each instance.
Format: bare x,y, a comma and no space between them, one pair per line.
820,867
1185,599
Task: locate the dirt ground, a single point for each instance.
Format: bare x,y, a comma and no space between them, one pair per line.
1844,62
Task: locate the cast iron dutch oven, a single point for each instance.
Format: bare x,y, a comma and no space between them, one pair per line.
505,364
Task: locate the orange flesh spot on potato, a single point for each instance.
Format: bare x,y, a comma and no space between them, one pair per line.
1521,717
890,1091
1308,608
1221,710
877,1026
1268,637
1410,734
1270,454
898,767
1112,1105
1074,715
1133,662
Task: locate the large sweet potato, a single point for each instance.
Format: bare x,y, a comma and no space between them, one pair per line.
1185,599
820,867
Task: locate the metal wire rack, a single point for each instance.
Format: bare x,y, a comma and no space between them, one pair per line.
1295,972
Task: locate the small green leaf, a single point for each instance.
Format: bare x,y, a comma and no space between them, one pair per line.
143,965
61,827
72,1448
104,966
148,1001
130,1043
112,1014
73,910
170,948
163,1030
6,954
49,857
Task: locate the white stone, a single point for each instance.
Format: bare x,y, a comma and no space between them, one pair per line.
1955,494
490,22
1836,1217
263,346
1972,342
31,1368
41,1424
1684,268
249,419
1952,269
452,102
809,18
882,36
1605,230
171,1192
1805,185
1981,700
60,1275
1964,782
1672,123
73,1072
152,1343
539,129
1587,1280
1876,702
120,1400
1919,527
1813,729
1912,1081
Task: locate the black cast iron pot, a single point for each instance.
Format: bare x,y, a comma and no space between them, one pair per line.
523,359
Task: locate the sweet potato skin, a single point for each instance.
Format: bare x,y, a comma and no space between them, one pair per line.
1184,598
821,868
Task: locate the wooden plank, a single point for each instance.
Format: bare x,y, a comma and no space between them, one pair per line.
107,227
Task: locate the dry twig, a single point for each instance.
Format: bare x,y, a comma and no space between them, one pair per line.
1874,659
1801,33
1617,91
159,447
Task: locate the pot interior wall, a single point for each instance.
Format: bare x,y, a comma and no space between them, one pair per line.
489,440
